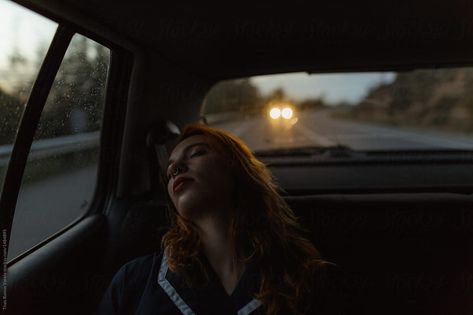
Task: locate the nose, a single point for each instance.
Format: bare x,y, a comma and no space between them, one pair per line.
178,169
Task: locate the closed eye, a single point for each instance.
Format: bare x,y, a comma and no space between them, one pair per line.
198,152
194,154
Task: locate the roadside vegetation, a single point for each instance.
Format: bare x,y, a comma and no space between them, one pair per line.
74,105
440,100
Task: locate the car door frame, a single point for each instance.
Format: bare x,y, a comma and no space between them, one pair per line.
62,251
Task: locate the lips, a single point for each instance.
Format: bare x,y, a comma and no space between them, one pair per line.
179,183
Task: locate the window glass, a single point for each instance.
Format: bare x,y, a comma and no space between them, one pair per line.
59,180
425,109
25,37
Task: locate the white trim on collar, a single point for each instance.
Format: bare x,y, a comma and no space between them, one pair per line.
170,290
250,307
179,302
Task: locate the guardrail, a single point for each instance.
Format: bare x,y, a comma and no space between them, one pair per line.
60,145
79,142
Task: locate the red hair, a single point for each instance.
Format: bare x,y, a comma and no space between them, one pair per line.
263,230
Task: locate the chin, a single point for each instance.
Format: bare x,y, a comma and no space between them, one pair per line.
189,209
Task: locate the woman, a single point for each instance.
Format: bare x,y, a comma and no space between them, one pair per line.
234,245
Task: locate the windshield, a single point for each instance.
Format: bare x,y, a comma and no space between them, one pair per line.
414,110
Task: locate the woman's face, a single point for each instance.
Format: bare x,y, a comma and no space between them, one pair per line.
199,180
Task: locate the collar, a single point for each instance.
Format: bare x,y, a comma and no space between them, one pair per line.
188,301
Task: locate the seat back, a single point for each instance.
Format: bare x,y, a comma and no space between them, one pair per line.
402,253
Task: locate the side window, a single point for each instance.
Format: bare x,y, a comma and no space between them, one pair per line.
24,39
59,180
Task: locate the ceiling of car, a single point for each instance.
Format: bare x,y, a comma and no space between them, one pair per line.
239,39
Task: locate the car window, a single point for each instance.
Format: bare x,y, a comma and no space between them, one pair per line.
59,179
25,37
424,109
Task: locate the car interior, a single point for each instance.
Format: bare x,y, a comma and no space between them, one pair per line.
400,229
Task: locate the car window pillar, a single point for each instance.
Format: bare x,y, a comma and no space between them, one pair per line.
27,127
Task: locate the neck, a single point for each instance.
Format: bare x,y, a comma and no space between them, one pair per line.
218,247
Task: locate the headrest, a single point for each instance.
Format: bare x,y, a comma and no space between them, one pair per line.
160,140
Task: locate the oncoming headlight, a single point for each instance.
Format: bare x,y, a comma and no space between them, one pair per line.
275,113
286,113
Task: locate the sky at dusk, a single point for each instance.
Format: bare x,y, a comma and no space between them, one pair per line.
334,88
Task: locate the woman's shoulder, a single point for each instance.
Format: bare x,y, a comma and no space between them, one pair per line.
127,285
135,271
141,262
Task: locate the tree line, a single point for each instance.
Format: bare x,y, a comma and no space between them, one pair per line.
75,101
439,99
244,96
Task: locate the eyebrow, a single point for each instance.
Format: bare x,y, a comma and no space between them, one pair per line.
190,146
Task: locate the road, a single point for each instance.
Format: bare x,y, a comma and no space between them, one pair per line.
318,128
47,206
44,207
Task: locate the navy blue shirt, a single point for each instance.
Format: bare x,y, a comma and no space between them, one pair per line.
145,285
